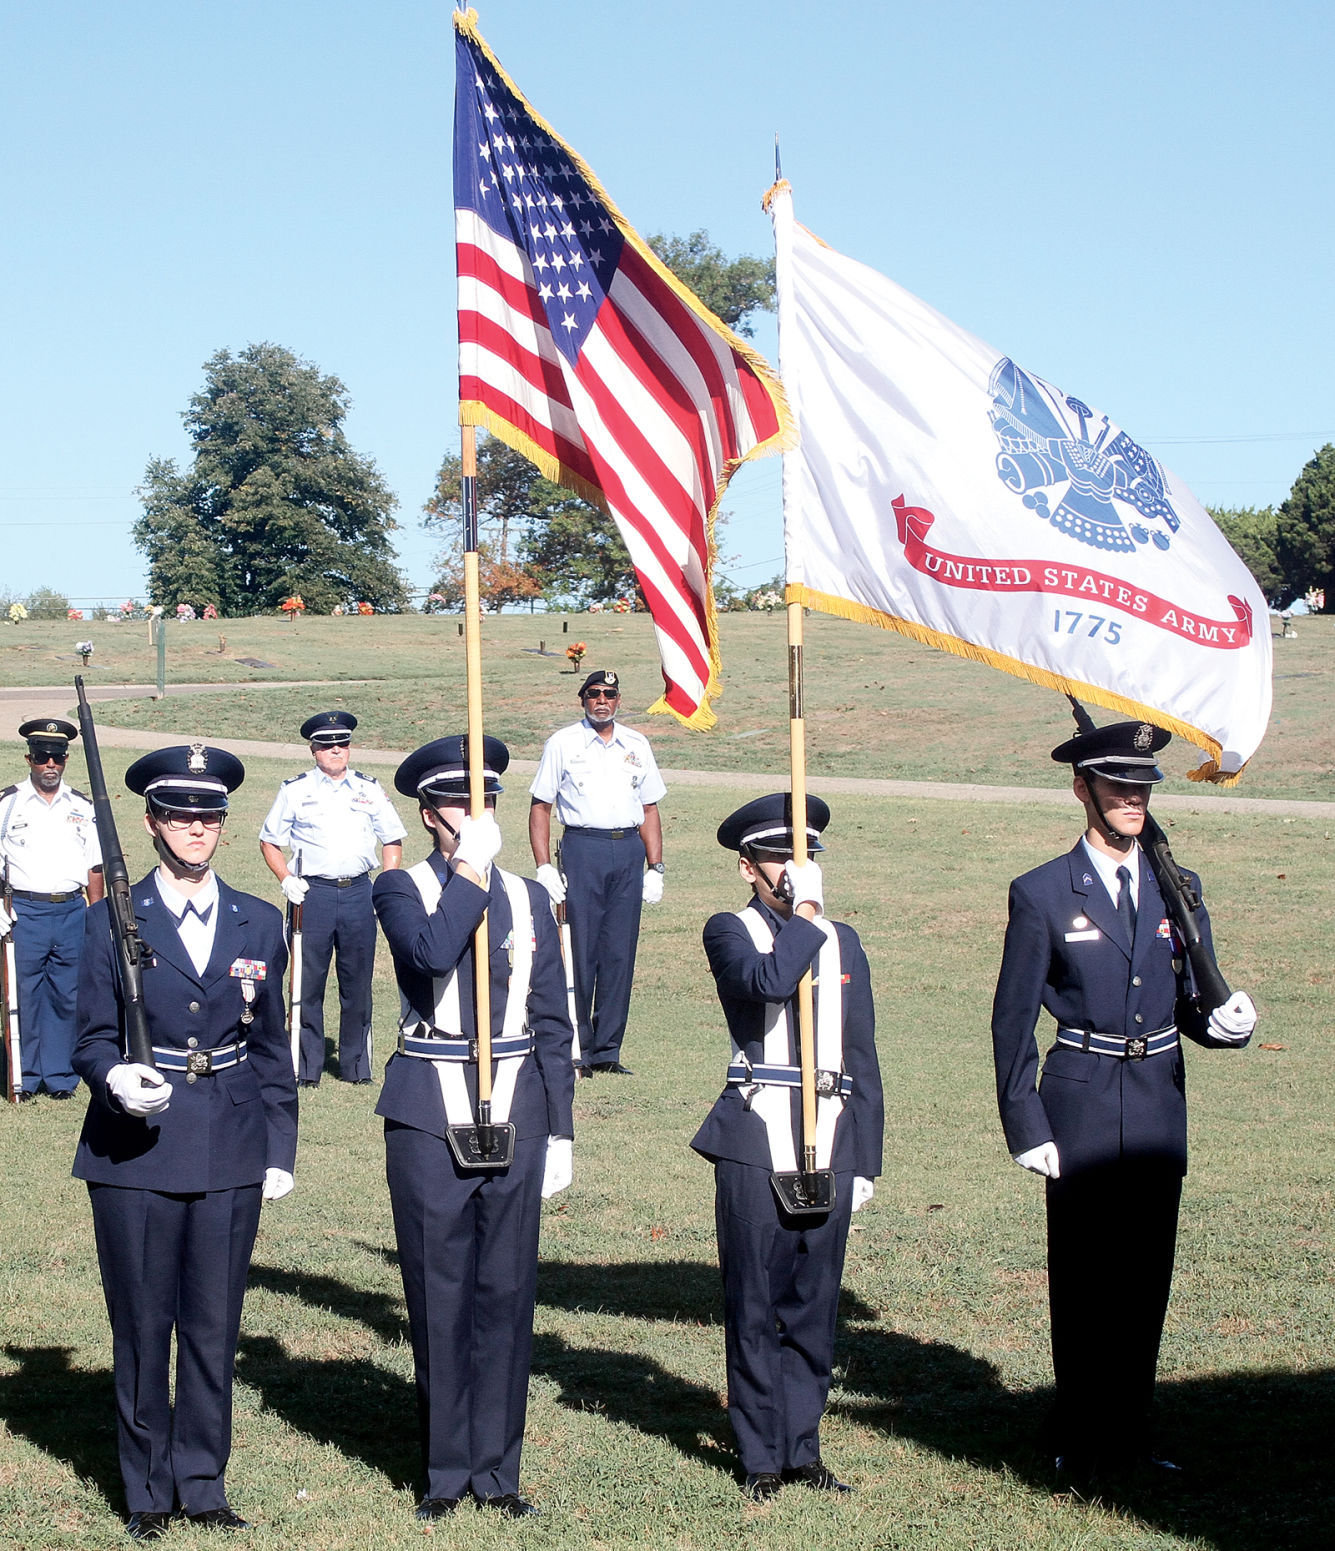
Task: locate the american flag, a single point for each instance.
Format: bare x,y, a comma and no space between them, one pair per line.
579,349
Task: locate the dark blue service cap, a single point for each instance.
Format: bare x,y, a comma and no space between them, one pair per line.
600,678
49,731
329,729
767,825
440,769
191,775
1122,751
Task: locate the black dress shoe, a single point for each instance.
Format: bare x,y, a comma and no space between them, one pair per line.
763,1485
615,1068
216,1518
583,1071
148,1526
511,1504
306,1082
64,1093
24,1097
437,1507
816,1475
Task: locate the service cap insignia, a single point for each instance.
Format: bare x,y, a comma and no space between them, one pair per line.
1144,736
198,760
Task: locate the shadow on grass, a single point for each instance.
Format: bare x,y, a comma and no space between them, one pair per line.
383,1313
66,1412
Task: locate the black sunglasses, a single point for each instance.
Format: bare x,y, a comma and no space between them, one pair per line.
47,759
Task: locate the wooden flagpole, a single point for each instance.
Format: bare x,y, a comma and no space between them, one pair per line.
797,762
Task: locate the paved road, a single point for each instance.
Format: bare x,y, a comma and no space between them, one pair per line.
17,705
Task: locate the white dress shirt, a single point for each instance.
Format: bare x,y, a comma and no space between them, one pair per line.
1105,867
196,916
332,826
49,847
597,784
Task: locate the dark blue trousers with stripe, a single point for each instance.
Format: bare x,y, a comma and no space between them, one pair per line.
48,940
604,893
337,924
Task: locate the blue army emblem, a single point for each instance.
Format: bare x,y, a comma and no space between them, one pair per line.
1089,480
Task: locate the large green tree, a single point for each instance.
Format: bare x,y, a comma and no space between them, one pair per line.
571,549
1252,533
1305,538
274,502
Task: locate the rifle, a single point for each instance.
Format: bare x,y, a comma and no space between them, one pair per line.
294,984
9,1001
1183,903
130,949
568,960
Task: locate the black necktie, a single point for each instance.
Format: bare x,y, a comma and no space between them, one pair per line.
192,909
1126,906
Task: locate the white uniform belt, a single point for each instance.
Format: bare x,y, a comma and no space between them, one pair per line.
1133,1047
449,1047
742,1074
198,1063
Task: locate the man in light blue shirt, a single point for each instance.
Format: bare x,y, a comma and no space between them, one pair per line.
331,819
604,783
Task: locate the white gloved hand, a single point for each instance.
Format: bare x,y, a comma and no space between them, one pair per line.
139,1090
863,1191
553,882
277,1184
560,1166
6,922
479,843
806,883
651,891
1235,1020
1042,1159
294,889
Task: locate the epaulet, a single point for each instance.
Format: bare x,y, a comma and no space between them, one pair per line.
9,791
300,777
362,777
74,792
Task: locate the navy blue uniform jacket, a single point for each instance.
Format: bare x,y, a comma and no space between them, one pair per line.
425,946
747,979
224,1130
1097,1108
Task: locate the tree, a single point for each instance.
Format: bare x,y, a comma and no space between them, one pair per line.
1252,533
500,582
275,502
47,603
569,548
1305,529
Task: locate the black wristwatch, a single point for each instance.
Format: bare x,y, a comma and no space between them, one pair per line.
655,867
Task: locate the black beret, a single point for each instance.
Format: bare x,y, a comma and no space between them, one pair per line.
440,768
1122,751
604,677
188,776
767,824
329,728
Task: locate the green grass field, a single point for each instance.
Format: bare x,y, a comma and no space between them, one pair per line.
877,704
943,1368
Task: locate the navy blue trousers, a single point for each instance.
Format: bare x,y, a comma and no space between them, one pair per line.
781,1279
604,893
337,924
468,1253
174,1261
48,940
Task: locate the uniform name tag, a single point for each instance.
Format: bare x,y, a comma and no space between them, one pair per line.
248,969
1092,935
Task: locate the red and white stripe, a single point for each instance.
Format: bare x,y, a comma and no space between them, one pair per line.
655,413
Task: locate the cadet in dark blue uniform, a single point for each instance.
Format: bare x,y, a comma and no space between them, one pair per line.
332,818
781,1273
1089,939
178,1156
468,1238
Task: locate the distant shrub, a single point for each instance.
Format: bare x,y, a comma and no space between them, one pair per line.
47,603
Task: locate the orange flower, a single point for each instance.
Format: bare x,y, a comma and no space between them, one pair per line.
292,605
365,608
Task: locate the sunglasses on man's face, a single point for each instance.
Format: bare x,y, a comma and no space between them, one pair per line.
602,694
47,759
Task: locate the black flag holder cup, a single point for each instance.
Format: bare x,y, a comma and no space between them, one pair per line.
807,1191
486,1145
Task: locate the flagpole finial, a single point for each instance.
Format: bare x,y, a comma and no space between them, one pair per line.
778,165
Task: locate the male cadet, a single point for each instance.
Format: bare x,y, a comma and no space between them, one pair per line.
178,1155
50,855
331,818
606,787
467,1236
1089,939
781,1272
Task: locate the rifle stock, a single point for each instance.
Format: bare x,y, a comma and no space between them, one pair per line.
125,929
1183,904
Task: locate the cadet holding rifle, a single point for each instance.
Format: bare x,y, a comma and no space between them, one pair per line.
1104,943
185,1136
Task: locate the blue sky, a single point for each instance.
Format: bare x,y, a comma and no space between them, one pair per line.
1135,201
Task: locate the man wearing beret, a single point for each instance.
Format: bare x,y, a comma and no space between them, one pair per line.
781,1270
179,1155
468,1234
1090,940
331,818
604,783
49,857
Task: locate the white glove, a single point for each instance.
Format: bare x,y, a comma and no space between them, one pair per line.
1042,1159
277,1184
806,884
1235,1020
651,891
6,922
139,1090
863,1191
479,843
553,882
560,1167
294,889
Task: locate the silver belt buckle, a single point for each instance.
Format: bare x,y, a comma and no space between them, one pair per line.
1136,1048
827,1084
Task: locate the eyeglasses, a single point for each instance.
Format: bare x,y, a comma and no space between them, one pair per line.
179,819
47,759
602,694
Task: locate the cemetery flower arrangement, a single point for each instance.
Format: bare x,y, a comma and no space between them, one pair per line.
17,613
292,606
365,608
85,650
575,652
